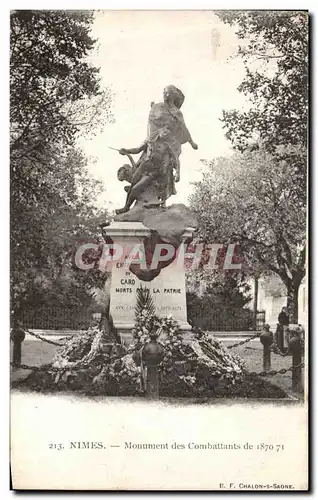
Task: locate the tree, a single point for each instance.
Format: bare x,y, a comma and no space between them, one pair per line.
221,303
251,199
278,87
46,232
55,95
267,212
274,48
50,77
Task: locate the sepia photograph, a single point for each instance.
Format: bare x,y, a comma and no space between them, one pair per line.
158,250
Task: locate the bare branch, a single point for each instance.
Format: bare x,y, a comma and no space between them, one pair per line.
253,241
265,56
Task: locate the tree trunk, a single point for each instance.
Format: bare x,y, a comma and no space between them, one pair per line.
292,302
255,302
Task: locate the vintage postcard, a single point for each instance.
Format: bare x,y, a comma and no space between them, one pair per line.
159,330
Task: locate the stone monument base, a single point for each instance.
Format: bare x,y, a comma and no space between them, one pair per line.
167,289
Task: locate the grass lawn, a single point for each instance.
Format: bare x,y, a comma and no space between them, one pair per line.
34,353
252,353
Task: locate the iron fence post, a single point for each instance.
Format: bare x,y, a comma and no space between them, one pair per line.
266,339
152,355
295,348
17,337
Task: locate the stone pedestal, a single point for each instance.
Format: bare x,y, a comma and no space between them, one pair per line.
167,289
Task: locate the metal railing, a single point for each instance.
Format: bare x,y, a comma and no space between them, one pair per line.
56,318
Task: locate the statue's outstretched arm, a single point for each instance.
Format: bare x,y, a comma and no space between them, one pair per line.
191,141
189,138
186,134
133,151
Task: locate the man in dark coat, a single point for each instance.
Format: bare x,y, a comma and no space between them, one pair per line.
283,317
283,320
